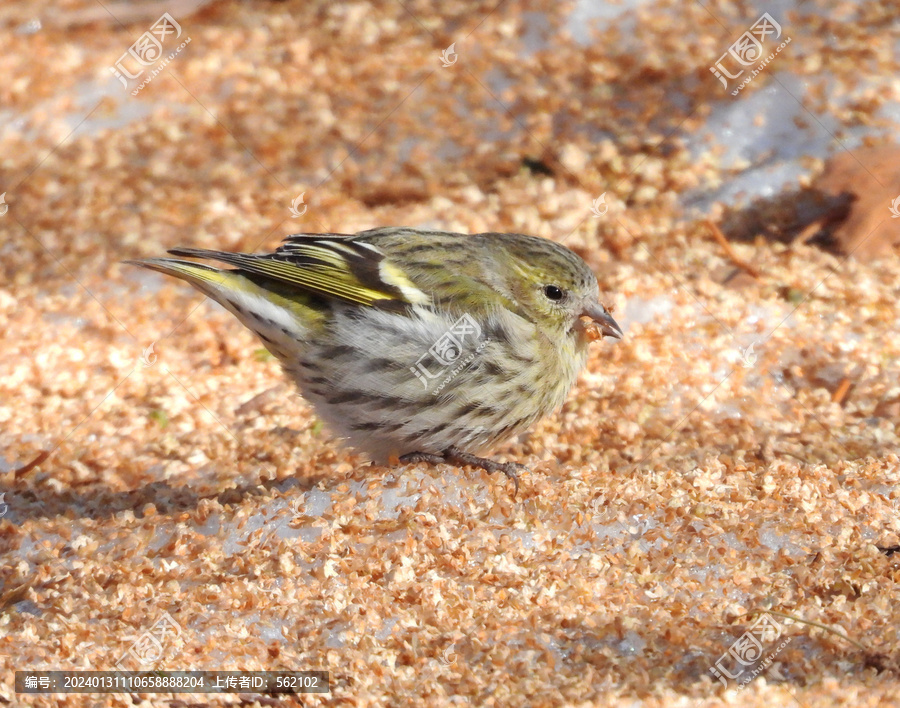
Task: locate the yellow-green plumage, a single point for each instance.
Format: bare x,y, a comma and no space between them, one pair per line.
415,343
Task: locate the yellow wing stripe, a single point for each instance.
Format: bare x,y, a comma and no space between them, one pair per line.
322,267
392,275
330,280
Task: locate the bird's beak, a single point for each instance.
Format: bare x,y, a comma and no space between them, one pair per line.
600,321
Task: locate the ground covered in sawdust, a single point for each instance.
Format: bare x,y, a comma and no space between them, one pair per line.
717,502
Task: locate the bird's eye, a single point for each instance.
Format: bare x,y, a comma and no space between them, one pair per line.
554,292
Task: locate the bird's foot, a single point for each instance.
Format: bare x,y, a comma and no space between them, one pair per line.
414,457
458,457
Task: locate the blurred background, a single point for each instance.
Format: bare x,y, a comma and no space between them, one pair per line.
727,169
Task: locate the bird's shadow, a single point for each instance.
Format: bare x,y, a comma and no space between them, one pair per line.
99,502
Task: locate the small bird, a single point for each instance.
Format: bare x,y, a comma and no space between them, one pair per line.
414,345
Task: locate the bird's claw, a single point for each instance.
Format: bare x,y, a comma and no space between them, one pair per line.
456,456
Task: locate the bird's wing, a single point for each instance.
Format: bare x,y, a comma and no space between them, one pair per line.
333,266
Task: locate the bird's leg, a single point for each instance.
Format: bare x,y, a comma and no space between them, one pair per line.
458,457
454,454
414,457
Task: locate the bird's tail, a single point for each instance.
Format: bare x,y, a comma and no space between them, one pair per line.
211,281
259,303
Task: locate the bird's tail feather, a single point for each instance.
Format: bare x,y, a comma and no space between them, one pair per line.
207,279
237,290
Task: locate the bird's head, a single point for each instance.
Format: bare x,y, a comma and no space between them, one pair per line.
557,289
